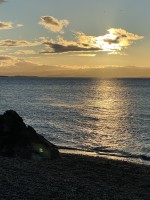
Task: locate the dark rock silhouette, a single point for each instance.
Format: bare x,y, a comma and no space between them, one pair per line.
19,140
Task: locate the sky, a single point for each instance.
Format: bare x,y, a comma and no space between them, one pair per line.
82,38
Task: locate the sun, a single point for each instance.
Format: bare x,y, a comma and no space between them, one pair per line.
109,43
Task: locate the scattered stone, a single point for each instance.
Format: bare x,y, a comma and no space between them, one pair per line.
19,140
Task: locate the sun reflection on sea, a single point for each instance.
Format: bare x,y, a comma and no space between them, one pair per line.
110,108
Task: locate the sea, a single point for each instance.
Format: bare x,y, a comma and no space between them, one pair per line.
97,117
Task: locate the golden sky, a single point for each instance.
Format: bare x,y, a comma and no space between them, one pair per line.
75,38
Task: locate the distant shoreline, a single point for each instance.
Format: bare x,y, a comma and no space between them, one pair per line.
58,77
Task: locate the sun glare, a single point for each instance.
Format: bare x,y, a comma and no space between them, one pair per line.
108,42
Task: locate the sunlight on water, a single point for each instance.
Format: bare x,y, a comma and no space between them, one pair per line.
112,113
109,99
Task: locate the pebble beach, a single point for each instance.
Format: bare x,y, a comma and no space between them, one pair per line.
73,177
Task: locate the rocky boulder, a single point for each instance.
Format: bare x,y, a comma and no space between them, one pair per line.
19,140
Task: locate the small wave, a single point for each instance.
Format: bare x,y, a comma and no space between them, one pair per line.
66,105
71,148
120,153
90,118
109,152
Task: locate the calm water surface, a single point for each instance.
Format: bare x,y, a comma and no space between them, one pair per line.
110,117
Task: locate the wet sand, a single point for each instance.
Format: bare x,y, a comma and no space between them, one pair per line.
73,177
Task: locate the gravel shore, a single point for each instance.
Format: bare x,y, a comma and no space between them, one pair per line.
73,177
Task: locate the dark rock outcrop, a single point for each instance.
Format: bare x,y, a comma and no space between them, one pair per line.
19,140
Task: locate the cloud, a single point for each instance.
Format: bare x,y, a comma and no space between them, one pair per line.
2,1
8,60
2,51
84,55
34,69
27,52
64,46
12,66
18,43
53,24
25,68
112,42
116,40
58,48
19,25
6,25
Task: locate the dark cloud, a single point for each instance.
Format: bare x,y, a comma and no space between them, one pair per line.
112,41
116,40
60,48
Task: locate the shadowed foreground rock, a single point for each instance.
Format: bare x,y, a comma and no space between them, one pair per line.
19,140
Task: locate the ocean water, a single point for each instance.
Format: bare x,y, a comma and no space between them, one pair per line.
109,117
